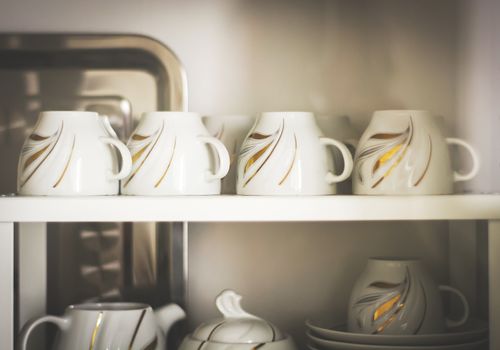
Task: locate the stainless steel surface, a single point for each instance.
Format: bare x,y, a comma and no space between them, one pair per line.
120,76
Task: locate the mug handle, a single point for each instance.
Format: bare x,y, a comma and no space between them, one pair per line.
60,322
331,178
456,323
223,155
107,126
475,159
126,158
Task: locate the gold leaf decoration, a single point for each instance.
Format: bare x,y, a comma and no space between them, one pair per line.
36,150
96,330
386,307
168,164
292,163
389,148
67,164
142,143
257,150
34,157
256,157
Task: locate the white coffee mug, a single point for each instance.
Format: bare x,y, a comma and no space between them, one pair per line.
403,152
286,154
99,326
399,297
173,154
231,130
68,153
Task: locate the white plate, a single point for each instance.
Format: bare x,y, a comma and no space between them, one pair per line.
322,344
474,330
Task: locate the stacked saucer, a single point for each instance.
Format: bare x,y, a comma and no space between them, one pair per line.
325,336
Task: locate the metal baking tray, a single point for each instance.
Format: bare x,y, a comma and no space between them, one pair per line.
120,76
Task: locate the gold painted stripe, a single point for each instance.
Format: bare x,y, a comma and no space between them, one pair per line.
46,156
67,164
293,162
386,307
139,153
256,157
136,330
269,156
427,165
96,330
34,157
146,157
168,165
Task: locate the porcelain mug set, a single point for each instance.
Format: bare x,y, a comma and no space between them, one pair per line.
284,153
396,305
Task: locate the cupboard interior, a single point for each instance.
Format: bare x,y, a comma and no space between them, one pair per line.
288,272
340,58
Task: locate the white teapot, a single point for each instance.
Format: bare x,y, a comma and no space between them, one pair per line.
236,330
110,326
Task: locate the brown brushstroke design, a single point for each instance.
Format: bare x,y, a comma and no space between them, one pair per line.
136,330
258,346
258,136
201,345
146,157
137,137
270,154
37,137
168,165
67,164
385,136
383,285
292,164
46,156
427,165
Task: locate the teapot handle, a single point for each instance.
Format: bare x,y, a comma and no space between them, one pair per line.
60,322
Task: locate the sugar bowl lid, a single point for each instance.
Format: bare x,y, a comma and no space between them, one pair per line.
236,325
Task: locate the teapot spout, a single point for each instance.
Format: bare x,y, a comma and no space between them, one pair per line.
168,315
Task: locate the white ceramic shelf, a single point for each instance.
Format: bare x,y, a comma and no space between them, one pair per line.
242,208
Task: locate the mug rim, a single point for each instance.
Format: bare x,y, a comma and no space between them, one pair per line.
109,306
402,111
290,113
286,337
395,259
178,114
62,112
